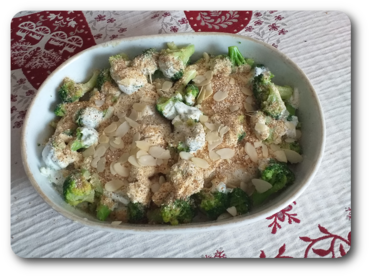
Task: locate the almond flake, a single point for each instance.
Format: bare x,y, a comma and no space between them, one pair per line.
132,160
100,150
232,211
232,81
257,144
167,85
124,158
110,128
147,160
112,171
103,139
251,151
116,223
200,163
101,165
89,152
185,155
214,156
99,103
280,156
203,118
114,185
162,180
233,108
159,152
122,129
265,151
226,153
292,156
139,107
246,91
141,153
220,95
120,170
261,185
143,145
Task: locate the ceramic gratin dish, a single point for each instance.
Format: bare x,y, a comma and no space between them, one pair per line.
80,66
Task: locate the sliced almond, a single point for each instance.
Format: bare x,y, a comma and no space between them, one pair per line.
203,118
220,95
274,147
99,103
101,165
110,128
208,75
212,136
117,143
226,153
112,171
132,160
261,128
280,156
233,108
141,153
147,160
121,170
116,223
258,144
94,162
232,81
211,126
155,187
159,152
292,156
249,100
109,113
134,115
246,91
265,151
223,130
248,107
251,151
214,144
89,152
132,123
199,79
261,185
103,139
200,163
185,155
114,185
122,129
208,91
124,158
100,150
143,145
160,161
206,57
214,156
136,137
200,96
232,211
167,85
162,180
139,107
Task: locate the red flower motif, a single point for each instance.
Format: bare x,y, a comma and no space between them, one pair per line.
154,16
249,29
183,21
280,216
166,14
258,22
275,45
279,255
18,124
14,98
121,30
97,36
174,29
21,81
332,238
283,32
273,27
113,36
111,20
349,215
22,114
258,14
272,12
279,17
13,109
217,255
30,92
100,17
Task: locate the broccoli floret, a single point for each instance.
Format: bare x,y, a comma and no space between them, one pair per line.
70,91
85,137
103,77
285,92
240,200
89,117
290,109
250,62
166,107
77,188
295,146
235,56
180,211
212,204
278,175
267,95
154,216
102,212
241,136
147,62
172,61
60,110
181,147
136,212
191,93
118,58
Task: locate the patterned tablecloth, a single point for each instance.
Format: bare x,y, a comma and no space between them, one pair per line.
317,224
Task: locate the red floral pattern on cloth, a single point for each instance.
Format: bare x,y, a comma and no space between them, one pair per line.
349,213
328,237
281,216
219,254
42,41
279,255
218,21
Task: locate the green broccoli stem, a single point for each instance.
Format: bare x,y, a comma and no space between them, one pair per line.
90,84
77,145
235,56
60,110
186,53
102,212
285,91
290,108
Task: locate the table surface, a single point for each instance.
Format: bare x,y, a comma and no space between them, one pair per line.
317,224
